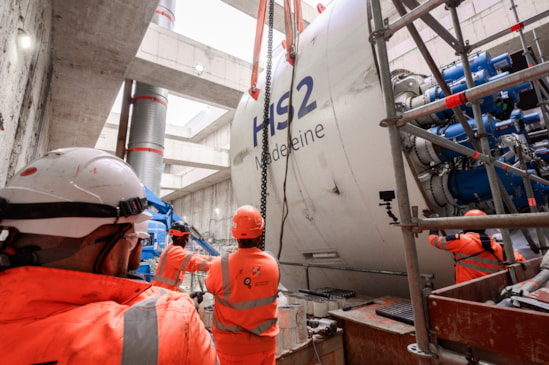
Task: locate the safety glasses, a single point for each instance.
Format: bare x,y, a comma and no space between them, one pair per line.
175,232
132,238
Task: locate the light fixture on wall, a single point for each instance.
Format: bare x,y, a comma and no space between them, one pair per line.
23,39
199,69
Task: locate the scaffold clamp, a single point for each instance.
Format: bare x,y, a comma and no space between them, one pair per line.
391,121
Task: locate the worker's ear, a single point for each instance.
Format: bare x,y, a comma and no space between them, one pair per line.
135,257
116,262
100,236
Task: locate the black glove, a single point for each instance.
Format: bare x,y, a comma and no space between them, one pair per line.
199,295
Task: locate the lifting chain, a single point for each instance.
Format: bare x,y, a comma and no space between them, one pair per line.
265,152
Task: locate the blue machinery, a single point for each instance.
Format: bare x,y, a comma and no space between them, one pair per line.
162,218
453,180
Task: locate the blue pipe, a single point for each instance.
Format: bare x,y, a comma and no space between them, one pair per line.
470,186
484,69
531,118
482,62
455,133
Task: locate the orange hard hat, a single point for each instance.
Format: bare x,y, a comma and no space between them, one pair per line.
247,222
474,213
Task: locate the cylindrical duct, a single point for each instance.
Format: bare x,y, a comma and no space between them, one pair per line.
164,14
146,142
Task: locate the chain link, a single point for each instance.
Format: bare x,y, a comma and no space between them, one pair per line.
265,151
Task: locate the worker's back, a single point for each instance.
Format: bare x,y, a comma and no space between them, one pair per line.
53,316
245,286
473,258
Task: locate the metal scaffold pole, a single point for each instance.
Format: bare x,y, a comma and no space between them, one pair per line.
412,264
485,147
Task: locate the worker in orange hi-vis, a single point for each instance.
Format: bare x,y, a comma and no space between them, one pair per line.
245,287
175,260
475,253
70,221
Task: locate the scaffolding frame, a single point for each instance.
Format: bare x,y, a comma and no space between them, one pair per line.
397,123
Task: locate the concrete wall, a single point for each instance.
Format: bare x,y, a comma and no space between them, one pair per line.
25,77
210,210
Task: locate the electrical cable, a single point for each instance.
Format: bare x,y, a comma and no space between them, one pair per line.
285,209
315,350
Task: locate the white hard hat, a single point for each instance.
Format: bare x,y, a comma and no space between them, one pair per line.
70,192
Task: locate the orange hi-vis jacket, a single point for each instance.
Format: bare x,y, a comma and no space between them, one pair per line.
54,316
174,262
245,289
472,260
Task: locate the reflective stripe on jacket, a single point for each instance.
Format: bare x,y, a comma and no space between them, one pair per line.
472,260
245,288
68,317
174,262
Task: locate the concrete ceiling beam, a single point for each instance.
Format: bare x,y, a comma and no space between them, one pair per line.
92,48
176,186
167,59
176,152
195,155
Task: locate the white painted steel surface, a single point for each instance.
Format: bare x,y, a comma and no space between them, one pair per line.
340,162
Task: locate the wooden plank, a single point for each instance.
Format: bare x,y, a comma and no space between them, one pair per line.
371,345
458,316
367,316
490,286
373,339
517,333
